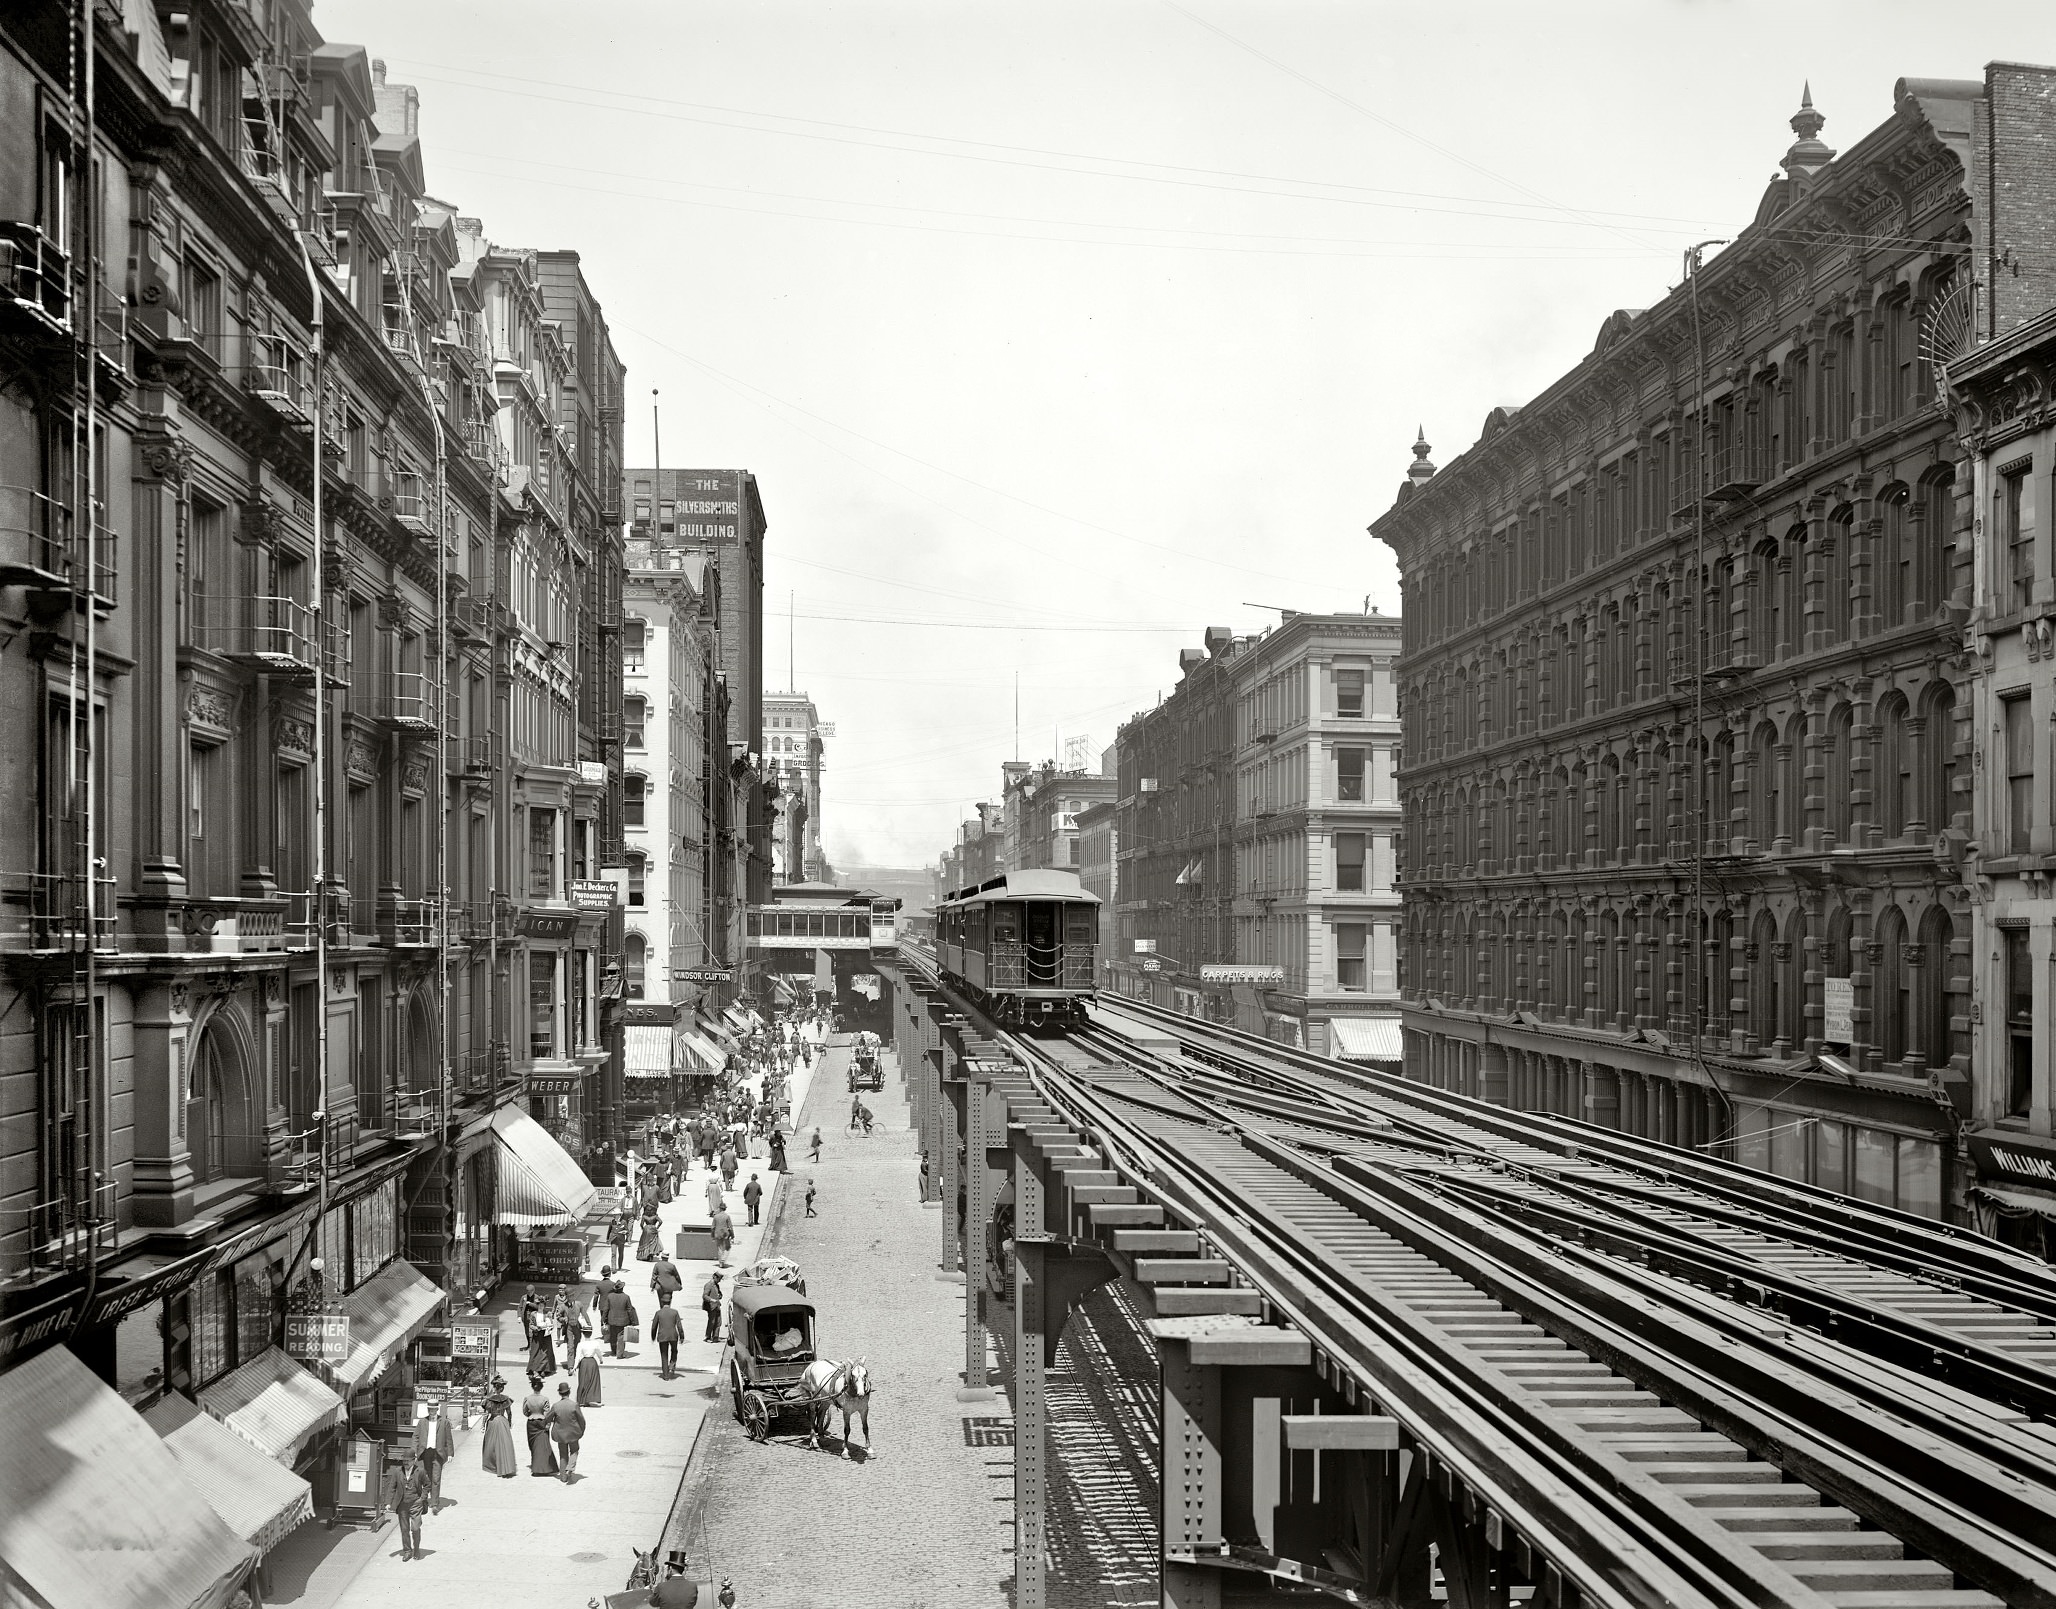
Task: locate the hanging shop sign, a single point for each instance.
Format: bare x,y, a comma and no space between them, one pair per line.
1241,974
2025,1157
318,1337
608,1199
592,895
555,1083
1838,1015
557,1261
547,924
1150,963
702,975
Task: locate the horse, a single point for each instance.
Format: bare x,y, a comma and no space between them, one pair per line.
846,1386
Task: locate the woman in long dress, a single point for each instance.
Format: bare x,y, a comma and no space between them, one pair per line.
652,1241
589,1379
667,1168
542,1352
497,1448
778,1152
535,1408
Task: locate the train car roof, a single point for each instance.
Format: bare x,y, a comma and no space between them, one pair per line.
1037,884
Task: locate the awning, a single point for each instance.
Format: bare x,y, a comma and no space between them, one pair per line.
386,1312
647,1051
2019,1200
95,1512
737,1019
719,1032
273,1404
1368,1038
703,1053
539,1183
260,1500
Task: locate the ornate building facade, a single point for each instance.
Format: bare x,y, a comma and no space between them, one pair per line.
1687,753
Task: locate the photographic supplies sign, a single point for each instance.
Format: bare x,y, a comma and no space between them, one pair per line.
1838,1019
471,1340
318,1337
593,895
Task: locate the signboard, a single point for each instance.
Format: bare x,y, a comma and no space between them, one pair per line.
547,924
708,506
592,773
592,894
555,1083
559,1261
471,1341
1838,1020
649,1014
607,1200
2013,1156
702,975
1151,964
1241,974
318,1337
1144,946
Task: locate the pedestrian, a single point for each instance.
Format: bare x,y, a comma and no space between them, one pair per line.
497,1445
713,1194
667,1174
810,1199
707,1142
729,1164
665,1278
667,1325
567,1429
778,1164
589,1380
542,1352
924,1176
724,1236
611,1322
535,1409
652,1241
753,1197
617,1237
814,1139
408,1502
571,1328
710,1304
437,1443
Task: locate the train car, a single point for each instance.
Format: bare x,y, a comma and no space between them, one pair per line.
1021,945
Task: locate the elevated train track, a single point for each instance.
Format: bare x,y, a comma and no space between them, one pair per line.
1615,1374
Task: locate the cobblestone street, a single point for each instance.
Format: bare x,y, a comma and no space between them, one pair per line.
926,1524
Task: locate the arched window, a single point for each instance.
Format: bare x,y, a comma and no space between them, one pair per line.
638,877
1570,966
1892,560
1766,602
1766,791
1937,964
223,1126
634,790
1765,981
1936,516
635,713
1891,999
1792,1001
1716,787
1896,767
1576,839
1836,575
1610,812
1839,779
635,953
1795,556
1938,759
1611,1000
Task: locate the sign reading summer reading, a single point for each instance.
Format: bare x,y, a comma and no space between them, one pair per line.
709,504
323,1337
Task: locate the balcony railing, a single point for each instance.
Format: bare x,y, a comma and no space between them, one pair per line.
336,909
277,378
75,1229
411,922
410,699
273,635
412,503
400,342
38,546
35,275
58,917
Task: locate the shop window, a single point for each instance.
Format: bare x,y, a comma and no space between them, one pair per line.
542,853
213,1310
373,1233
1831,1156
542,1003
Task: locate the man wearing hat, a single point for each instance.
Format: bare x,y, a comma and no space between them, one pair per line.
674,1591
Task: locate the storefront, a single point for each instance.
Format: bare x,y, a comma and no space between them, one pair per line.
95,1509
1377,1041
259,1499
2014,1200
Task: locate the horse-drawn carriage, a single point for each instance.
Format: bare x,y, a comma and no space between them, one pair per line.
774,1372
866,1071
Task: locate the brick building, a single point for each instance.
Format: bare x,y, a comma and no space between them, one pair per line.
1687,742
303,703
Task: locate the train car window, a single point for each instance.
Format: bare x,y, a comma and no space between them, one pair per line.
1042,925
1006,924
1079,925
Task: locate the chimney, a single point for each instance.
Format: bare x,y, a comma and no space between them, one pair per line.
378,72
1217,640
1188,658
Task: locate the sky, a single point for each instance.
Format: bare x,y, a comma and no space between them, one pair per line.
1056,333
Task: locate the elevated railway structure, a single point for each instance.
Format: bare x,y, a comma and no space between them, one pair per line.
1414,1348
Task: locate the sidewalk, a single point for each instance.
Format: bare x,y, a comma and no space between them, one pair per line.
928,1522
541,1544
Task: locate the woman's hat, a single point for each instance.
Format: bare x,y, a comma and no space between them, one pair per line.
499,1379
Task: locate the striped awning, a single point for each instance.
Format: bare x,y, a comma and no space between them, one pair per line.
94,1509
648,1050
273,1404
1368,1038
539,1182
719,1032
258,1498
703,1053
737,1018
386,1312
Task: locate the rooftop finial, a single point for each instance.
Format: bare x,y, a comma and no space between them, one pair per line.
1420,469
1807,156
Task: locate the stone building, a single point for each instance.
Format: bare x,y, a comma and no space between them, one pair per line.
296,580
1098,850
793,743
2004,393
1051,801
1686,708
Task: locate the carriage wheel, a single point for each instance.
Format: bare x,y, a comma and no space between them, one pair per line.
756,1416
735,1393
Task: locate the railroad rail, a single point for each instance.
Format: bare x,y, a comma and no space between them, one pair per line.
1613,1374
